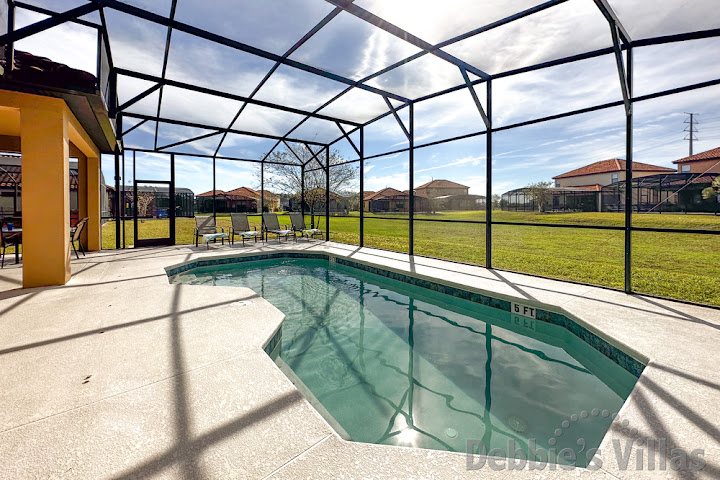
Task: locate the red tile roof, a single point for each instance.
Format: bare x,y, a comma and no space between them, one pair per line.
210,193
441,184
593,188
244,192
386,193
713,154
612,165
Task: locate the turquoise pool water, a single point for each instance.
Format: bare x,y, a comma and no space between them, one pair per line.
391,363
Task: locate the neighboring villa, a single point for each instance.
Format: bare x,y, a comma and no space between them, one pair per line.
431,196
242,199
605,172
600,186
11,187
704,162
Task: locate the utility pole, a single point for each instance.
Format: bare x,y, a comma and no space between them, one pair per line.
690,129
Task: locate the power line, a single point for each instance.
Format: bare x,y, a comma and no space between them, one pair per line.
691,130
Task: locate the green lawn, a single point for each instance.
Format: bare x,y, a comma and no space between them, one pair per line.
683,266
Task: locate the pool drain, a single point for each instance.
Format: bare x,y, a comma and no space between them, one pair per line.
517,424
451,432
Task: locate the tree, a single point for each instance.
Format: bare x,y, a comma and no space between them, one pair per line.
496,202
712,190
287,179
142,203
433,202
144,199
540,193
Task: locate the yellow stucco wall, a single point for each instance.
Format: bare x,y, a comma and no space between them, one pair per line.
47,128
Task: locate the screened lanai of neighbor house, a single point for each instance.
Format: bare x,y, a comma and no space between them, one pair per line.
555,162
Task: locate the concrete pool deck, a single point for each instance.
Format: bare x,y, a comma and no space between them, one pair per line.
119,374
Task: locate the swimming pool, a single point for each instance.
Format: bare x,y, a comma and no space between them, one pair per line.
391,362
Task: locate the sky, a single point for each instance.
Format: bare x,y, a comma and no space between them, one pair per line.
353,48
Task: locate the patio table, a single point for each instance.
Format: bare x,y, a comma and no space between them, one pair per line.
209,237
7,233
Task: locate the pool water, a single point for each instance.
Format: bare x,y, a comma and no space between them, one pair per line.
391,363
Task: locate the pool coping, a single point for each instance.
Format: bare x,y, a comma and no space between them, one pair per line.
612,348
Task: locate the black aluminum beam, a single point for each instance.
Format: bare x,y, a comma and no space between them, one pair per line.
45,24
475,98
314,156
346,136
139,97
51,13
188,140
267,76
210,127
628,176
132,128
621,70
372,19
166,54
294,153
612,18
397,118
230,96
198,32
203,155
458,38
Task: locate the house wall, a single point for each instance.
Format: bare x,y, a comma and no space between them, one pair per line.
711,166
598,178
441,192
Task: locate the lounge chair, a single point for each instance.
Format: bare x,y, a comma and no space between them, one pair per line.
241,227
298,225
271,225
75,236
205,225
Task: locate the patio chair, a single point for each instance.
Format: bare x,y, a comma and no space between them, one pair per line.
241,227
271,225
298,225
205,225
7,240
75,236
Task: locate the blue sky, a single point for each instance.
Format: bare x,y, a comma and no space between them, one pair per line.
351,47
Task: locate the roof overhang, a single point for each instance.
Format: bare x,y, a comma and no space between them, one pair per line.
88,108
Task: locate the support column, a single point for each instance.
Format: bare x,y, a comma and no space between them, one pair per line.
628,173
46,197
94,209
82,190
488,179
327,193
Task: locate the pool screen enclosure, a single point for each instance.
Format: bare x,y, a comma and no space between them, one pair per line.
296,84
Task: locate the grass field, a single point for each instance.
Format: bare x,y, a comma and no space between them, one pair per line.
676,265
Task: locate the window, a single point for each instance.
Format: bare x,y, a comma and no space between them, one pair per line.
557,183
614,178
685,169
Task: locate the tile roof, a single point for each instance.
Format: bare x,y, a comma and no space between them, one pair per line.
612,165
244,192
385,193
593,188
441,184
713,154
210,193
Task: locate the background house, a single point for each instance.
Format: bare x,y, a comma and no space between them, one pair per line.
315,202
238,200
436,195
605,172
155,201
704,162
11,187
444,195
